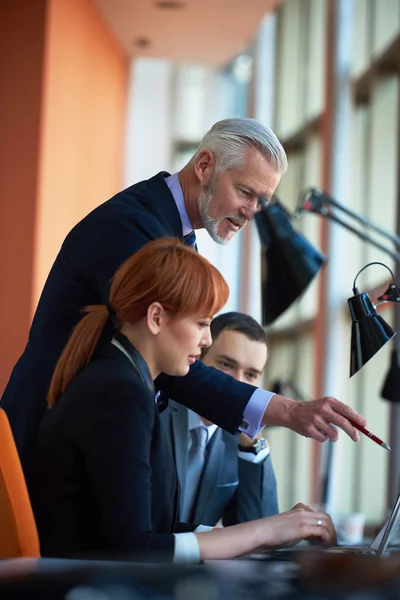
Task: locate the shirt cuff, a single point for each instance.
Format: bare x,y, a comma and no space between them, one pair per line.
187,549
254,412
254,458
200,528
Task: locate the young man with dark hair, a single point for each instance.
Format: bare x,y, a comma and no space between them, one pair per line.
224,476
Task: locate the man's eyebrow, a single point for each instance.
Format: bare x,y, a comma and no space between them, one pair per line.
255,371
231,360
247,186
250,188
227,358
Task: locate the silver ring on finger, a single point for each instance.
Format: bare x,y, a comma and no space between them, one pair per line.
319,522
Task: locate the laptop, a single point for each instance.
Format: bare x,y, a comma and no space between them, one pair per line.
377,547
381,541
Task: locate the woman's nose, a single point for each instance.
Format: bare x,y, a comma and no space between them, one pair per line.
207,339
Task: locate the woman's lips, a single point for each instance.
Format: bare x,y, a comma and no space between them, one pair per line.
193,357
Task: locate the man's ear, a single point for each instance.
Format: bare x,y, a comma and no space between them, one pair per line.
155,317
204,166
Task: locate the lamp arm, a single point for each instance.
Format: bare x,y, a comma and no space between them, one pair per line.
314,200
363,220
395,255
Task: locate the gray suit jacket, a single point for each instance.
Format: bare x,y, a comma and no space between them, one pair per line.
233,489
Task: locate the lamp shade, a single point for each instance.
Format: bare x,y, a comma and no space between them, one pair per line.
369,332
391,386
289,262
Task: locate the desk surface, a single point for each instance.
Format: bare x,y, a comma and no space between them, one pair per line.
315,576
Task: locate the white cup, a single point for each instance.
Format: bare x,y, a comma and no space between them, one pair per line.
350,528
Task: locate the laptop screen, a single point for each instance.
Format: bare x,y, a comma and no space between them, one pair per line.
381,541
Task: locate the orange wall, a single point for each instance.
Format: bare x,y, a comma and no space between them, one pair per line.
82,127
63,112
21,72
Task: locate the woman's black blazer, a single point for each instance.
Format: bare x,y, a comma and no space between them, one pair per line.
105,480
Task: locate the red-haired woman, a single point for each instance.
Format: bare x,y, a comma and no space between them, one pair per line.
105,476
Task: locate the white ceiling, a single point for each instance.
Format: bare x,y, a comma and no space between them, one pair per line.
205,31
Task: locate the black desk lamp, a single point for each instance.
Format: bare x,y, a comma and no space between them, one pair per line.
316,201
367,325
369,332
289,262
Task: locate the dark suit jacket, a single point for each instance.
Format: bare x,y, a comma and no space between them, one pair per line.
81,275
230,488
105,482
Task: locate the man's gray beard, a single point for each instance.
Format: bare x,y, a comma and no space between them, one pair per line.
211,225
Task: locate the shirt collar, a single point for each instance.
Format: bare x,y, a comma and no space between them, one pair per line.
195,421
137,360
176,190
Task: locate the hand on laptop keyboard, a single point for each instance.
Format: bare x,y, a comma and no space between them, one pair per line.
301,523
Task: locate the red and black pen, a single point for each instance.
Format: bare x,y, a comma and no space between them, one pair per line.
373,437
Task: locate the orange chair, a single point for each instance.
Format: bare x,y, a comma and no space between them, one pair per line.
18,532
